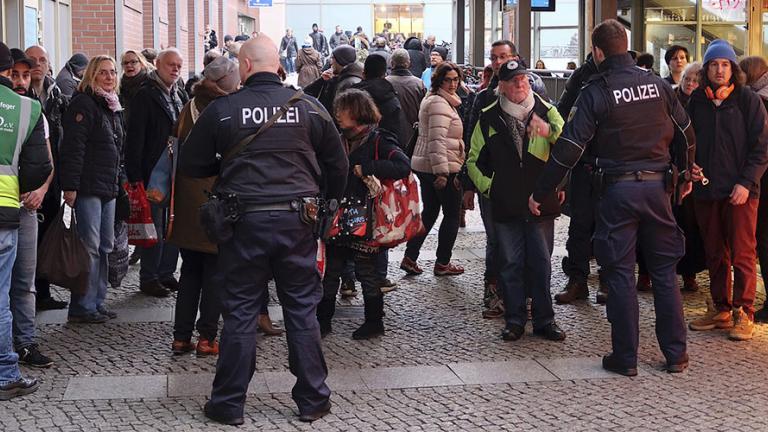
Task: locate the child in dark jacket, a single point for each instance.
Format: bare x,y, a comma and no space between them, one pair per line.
372,152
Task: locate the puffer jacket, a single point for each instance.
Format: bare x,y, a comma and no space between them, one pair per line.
440,147
91,148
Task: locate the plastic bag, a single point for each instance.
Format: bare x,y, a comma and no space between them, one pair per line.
141,229
62,257
118,258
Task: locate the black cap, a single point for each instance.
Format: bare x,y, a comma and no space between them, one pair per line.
6,59
442,51
512,69
20,57
78,61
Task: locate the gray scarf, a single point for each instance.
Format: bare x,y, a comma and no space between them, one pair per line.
515,116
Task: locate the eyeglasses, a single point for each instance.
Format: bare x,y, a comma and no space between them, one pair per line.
105,72
130,62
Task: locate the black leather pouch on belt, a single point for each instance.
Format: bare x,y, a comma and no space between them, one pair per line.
218,216
670,180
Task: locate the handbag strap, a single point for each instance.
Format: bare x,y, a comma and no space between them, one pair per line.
234,151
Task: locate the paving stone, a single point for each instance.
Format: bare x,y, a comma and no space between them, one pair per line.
579,368
118,387
501,372
405,377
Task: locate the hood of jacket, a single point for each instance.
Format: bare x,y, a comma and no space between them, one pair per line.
380,89
352,69
412,43
205,92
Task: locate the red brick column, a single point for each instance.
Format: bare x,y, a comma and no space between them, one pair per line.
93,27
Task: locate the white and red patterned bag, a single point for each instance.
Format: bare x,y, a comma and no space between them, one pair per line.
396,212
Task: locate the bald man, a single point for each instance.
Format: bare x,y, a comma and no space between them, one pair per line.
45,89
264,180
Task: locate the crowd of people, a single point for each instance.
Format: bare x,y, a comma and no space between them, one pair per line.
380,109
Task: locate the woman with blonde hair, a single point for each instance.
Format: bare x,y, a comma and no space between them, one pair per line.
135,70
91,156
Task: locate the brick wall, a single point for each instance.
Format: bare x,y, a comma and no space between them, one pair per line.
149,30
132,20
182,43
93,27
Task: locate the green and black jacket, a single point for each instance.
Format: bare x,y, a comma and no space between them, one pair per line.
497,169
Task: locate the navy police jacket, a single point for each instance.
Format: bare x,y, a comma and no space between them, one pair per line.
625,119
290,160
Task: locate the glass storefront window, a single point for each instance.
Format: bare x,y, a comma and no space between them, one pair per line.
659,37
558,47
724,11
736,35
669,11
407,19
566,14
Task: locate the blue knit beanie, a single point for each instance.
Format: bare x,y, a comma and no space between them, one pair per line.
719,48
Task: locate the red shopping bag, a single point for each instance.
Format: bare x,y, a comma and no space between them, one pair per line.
396,212
141,229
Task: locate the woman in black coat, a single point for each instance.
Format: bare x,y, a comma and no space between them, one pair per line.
372,152
90,162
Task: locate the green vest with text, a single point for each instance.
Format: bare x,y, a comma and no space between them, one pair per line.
18,117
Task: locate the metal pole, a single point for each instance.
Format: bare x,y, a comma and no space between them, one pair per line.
459,25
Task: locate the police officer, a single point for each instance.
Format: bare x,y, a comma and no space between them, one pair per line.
281,166
634,117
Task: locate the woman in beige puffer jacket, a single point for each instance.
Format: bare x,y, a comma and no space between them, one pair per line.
437,159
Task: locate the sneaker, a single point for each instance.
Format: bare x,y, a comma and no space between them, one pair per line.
743,327
31,356
23,386
348,289
171,284
154,289
207,347
92,318
49,303
712,319
410,267
690,284
448,269
643,282
182,347
104,311
388,286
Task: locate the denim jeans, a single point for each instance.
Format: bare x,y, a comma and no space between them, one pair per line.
382,263
96,227
158,262
525,250
9,360
291,63
23,281
449,200
198,283
491,243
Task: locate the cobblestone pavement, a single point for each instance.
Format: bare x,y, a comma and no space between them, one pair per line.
440,366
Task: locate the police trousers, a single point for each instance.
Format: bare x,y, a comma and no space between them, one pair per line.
269,243
627,213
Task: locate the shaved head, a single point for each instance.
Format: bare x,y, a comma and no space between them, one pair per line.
41,57
258,55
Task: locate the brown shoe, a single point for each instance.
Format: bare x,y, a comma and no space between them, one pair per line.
712,319
154,288
410,267
643,283
496,309
575,290
267,327
690,284
207,348
448,269
182,347
743,326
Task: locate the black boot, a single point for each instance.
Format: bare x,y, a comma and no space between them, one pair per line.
373,325
325,311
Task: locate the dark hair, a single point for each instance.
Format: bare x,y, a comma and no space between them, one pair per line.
754,67
645,60
506,42
438,76
672,52
611,37
738,77
358,104
375,66
189,87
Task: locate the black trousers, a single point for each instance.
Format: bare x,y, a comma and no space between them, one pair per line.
198,284
449,200
366,271
582,225
279,244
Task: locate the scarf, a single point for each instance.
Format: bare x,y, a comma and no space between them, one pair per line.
515,116
452,99
113,101
358,140
156,78
130,85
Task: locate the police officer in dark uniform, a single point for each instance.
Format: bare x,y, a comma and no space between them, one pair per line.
270,177
634,117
